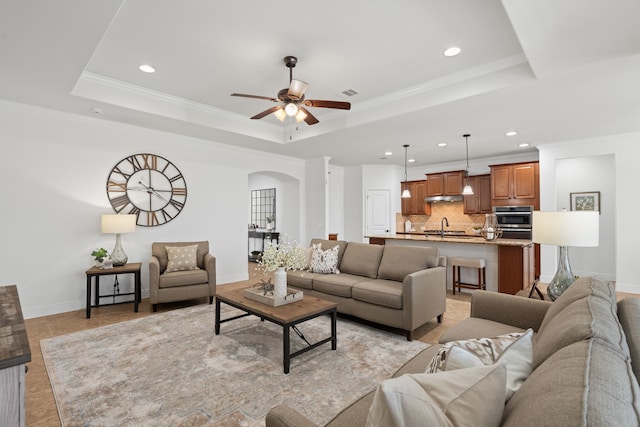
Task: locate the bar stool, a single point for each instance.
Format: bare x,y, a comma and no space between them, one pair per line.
479,263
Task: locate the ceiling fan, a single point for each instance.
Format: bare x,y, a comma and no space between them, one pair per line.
292,101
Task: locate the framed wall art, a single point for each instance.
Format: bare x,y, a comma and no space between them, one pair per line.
585,201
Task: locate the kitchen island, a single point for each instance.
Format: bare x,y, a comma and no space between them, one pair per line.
510,262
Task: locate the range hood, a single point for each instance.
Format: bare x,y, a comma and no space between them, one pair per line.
456,198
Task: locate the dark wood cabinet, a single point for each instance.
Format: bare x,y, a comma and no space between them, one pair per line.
516,268
415,204
480,201
515,184
445,183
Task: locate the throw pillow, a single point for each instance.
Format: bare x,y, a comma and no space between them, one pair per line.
182,258
515,351
308,253
324,262
464,397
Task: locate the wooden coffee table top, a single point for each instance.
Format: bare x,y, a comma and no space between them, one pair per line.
287,313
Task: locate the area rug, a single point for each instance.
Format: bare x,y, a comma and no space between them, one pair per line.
171,369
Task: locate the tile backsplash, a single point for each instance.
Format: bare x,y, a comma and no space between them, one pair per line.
454,211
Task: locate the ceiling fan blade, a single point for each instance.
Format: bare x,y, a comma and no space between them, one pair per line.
266,112
296,89
328,104
268,98
310,119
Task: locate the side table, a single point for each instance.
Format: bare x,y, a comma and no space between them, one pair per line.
96,272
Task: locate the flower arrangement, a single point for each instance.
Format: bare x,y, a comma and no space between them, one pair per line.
287,255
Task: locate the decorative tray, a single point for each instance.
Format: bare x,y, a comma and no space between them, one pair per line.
272,300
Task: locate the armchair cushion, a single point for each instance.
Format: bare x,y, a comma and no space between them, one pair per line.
182,258
183,278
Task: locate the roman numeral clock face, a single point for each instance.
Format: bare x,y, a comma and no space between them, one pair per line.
148,186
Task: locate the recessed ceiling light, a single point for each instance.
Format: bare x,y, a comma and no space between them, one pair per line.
511,133
524,144
388,153
147,68
452,51
442,144
411,160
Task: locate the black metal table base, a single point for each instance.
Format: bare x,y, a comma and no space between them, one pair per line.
286,339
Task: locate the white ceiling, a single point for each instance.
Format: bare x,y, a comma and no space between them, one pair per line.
553,70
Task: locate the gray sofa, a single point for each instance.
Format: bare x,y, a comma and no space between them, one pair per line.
398,286
586,359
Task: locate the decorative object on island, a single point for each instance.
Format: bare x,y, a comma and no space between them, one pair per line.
118,224
147,186
586,201
467,190
564,229
405,193
282,257
491,229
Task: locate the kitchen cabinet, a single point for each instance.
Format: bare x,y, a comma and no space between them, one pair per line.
445,183
480,201
515,184
516,268
415,204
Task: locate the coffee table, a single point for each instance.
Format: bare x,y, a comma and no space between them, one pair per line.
287,316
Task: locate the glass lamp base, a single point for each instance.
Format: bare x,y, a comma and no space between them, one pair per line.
563,278
118,256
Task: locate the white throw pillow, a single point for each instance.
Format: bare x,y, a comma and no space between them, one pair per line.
308,253
464,397
324,262
515,351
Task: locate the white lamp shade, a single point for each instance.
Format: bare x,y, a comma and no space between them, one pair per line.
467,191
405,194
575,228
291,109
297,88
280,114
118,224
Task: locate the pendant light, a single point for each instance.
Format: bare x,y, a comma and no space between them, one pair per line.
405,193
467,191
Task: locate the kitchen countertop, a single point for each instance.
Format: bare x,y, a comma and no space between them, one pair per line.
465,238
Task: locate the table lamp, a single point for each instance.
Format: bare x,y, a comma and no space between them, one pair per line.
564,229
118,224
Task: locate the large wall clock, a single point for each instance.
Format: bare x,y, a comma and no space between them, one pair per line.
148,186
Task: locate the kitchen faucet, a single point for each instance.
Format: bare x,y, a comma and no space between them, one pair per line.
442,223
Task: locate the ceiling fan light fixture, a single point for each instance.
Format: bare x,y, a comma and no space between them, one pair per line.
297,88
280,114
291,109
300,116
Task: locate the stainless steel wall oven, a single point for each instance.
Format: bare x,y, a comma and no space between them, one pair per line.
515,221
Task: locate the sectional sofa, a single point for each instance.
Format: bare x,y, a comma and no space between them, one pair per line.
585,360
402,287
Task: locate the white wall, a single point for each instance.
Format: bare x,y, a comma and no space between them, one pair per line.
353,204
625,150
317,199
593,173
54,169
336,200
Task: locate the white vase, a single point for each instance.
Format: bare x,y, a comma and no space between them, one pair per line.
280,287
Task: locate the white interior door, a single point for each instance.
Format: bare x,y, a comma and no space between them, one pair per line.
377,215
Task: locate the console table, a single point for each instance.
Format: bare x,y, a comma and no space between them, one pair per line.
262,235
96,272
14,354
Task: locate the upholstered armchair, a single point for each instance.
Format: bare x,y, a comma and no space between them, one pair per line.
179,271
